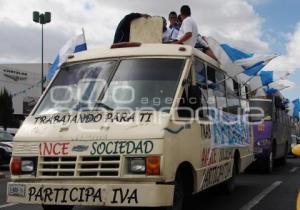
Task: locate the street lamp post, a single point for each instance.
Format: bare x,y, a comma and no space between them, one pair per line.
42,18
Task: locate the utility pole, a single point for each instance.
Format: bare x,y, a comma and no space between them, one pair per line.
42,18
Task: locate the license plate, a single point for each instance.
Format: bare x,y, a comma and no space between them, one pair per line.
17,190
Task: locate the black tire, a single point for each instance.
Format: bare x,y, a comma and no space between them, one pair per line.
181,192
229,185
282,160
56,207
268,164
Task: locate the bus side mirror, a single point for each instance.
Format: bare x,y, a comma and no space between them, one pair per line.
195,97
186,83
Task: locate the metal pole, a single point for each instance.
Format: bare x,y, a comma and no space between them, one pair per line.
42,81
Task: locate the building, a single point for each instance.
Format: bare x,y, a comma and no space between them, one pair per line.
23,82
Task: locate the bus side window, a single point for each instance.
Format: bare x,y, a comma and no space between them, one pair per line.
247,92
187,104
211,83
219,91
200,75
233,93
236,88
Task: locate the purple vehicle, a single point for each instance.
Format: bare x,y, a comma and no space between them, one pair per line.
272,132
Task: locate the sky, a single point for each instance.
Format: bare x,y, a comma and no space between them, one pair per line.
258,26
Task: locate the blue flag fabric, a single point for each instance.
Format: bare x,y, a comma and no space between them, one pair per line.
234,53
74,45
238,63
249,62
296,110
266,77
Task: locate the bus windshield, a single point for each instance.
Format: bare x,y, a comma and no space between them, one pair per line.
259,106
139,83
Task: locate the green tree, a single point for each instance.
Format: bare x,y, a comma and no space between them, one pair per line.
6,108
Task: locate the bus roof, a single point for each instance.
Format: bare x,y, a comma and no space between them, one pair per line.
142,50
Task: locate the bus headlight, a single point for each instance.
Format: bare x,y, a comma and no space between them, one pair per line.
137,165
19,166
149,165
27,166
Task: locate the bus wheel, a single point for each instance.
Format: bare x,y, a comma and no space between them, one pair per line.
56,207
229,185
181,191
268,163
282,160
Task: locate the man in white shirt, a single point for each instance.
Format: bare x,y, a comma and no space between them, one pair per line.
188,31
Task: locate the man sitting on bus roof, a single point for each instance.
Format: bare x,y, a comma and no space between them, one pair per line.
202,45
188,31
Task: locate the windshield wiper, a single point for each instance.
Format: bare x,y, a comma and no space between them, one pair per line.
101,104
85,108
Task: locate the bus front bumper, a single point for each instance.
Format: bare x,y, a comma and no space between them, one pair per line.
139,194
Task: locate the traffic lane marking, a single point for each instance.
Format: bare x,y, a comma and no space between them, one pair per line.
254,201
294,169
8,205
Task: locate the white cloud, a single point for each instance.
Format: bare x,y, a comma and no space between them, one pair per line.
290,61
23,44
68,18
231,21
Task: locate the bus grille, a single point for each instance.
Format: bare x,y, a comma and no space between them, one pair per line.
79,166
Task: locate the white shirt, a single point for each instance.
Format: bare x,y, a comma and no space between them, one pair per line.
170,35
188,25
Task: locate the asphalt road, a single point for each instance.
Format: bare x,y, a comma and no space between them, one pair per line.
277,191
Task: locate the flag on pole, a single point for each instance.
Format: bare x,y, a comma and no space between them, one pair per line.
280,84
236,63
267,83
295,108
74,45
270,79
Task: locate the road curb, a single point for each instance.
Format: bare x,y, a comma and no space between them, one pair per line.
2,175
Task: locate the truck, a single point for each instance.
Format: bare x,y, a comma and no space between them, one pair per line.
134,125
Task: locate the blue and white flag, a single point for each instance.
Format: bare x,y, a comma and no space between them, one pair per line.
295,108
270,79
236,63
267,83
74,45
278,85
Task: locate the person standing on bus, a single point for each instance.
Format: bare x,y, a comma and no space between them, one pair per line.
179,20
169,34
189,30
173,21
123,30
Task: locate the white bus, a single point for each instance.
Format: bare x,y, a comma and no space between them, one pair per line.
130,126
